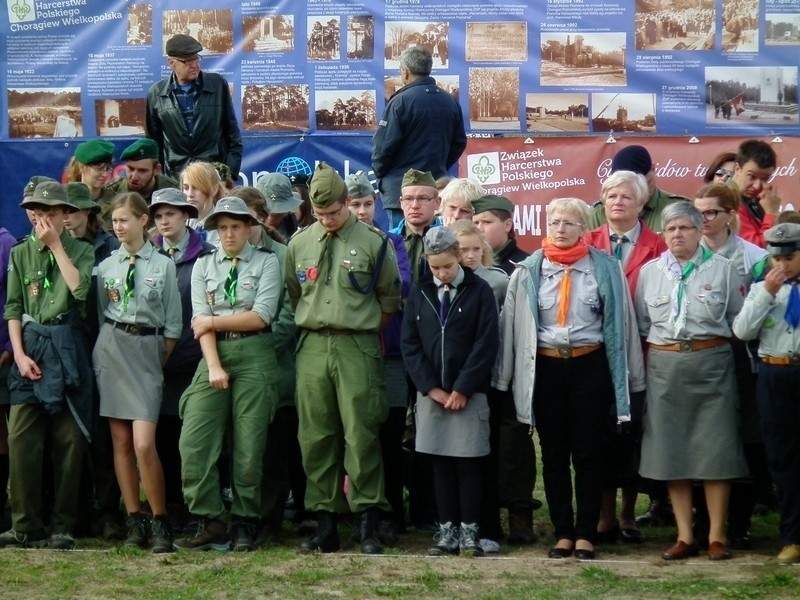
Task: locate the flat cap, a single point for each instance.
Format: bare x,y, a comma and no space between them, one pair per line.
172,197
783,239
358,185
632,158
48,193
78,195
438,240
141,149
27,192
94,151
326,187
277,189
492,202
182,45
414,177
229,207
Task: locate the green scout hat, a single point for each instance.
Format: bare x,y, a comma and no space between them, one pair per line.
228,206
277,189
92,152
783,239
492,202
79,195
172,197
48,193
141,149
326,187
358,185
180,46
438,240
27,192
414,177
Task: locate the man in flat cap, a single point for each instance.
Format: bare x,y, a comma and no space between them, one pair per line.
637,159
49,277
343,281
204,126
421,128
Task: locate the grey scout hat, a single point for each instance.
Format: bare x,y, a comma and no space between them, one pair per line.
438,240
358,185
277,189
231,207
172,197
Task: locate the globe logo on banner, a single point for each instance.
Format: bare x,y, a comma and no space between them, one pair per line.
294,168
484,167
20,11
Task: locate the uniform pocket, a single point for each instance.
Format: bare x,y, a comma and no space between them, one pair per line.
658,308
714,304
153,289
588,306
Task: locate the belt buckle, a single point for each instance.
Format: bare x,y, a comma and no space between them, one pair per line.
134,330
565,352
794,359
686,346
234,335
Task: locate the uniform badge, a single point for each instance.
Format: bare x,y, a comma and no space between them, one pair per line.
34,288
353,252
247,285
312,273
113,294
708,286
768,323
210,297
152,295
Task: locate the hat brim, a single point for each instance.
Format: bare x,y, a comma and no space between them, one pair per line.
31,204
211,220
783,249
189,209
285,205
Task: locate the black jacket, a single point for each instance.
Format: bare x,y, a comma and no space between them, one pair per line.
459,355
509,256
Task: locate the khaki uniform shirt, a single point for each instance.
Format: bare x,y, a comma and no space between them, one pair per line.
318,269
27,269
762,318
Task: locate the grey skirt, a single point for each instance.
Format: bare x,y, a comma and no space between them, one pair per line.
129,376
463,433
691,417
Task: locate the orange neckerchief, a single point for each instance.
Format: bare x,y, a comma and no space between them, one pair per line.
564,256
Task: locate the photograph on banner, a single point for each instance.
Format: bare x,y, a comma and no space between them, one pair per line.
583,58
494,98
272,33
624,112
675,25
751,96
275,107
782,29
345,110
449,83
212,28
360,37
496,42
119,117
557,113
404,34
44,113
740,30
323,38
140,24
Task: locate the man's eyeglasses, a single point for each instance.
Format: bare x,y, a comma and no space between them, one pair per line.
724,173
189,61
417,199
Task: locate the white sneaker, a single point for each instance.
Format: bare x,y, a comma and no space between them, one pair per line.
490,546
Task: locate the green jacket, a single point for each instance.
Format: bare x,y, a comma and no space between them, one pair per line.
651,213
120,186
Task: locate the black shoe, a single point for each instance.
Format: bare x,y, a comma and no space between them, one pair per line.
161,535
269,534
326,537
244,534
370,539
137,531
740,541
607,537
387,532
520,527
584,554
556,552
631,536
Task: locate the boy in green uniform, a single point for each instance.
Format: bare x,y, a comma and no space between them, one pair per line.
343,280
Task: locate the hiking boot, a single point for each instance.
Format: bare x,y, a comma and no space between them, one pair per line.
161,535
19,539
62,541
244,534
469,542
446,540
520,527
370,542
211,534
387,532
269,534
326,537
659,513
137,531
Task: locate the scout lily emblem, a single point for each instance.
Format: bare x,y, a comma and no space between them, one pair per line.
483,170
20,9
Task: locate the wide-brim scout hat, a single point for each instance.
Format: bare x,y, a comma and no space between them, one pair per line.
27,191
49,194
277,189
78,194
229,207
783,239
92,152
172,197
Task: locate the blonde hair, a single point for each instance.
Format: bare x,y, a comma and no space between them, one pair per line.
464,228
468,189
575,206
203,176
134,202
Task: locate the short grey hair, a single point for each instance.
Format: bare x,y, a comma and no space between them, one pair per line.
679,210
468,189
417,59
636,182
576,206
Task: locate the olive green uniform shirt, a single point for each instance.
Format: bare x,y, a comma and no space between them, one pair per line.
651,212
318,277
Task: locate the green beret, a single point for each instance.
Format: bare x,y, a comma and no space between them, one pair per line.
32,183
414,177
783,239
48,193
78,195
182,45
492,202
326,187
95,151
141,149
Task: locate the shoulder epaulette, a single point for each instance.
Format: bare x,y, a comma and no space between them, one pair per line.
22,240
598,203
374,229
266,250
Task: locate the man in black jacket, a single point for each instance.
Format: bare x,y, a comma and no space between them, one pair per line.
422,128
190,113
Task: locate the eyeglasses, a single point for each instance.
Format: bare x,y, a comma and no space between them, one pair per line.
673,229
710,215
328,216
102,168
417,199
724,173
189,61
565,224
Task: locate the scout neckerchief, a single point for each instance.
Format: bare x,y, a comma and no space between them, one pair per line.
229,289
618,241
566,257
444,306
48,274
678,300
130,282
792,314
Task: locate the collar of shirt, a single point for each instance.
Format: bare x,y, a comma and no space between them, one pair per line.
245,255
343,232
549,268
144,253
674,265
632,235
457,280
180,246
197,84
42,247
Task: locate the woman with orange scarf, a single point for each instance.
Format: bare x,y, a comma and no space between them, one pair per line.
571,354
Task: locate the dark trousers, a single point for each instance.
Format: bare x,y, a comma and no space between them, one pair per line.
168,434
275,478
778,394
490,502
391,438
516,462
571,401
457,482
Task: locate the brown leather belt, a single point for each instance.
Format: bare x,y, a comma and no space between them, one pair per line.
793,360
691,346
568,352
334,331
